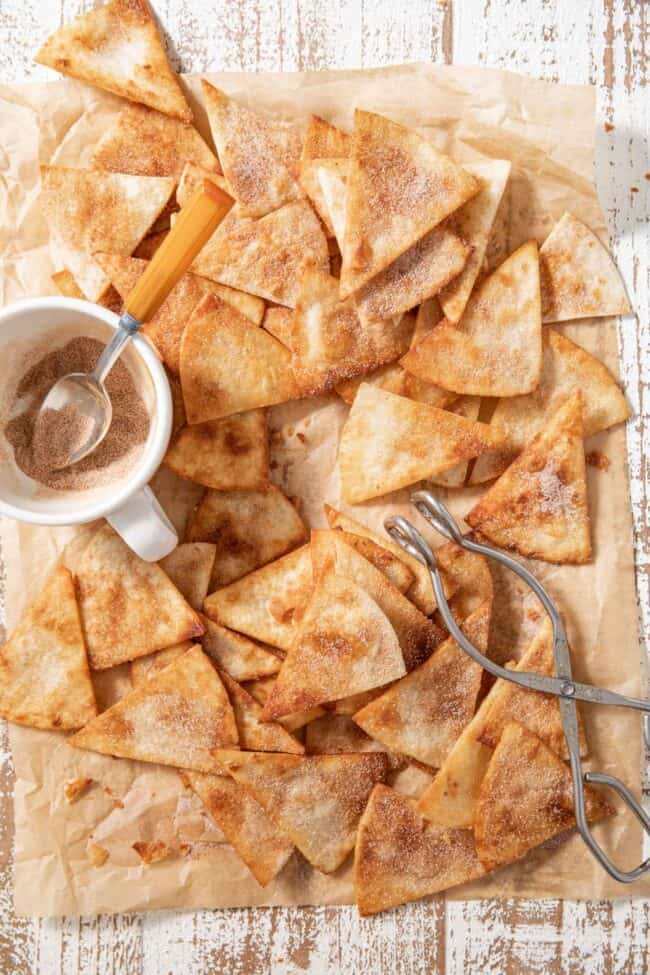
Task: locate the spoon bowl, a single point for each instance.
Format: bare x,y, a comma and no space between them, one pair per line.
84,402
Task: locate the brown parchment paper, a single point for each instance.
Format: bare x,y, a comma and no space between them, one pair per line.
548,132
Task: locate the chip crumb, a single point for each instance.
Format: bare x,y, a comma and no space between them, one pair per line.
597,459
153,851
634,189
97,854
609,127
74,789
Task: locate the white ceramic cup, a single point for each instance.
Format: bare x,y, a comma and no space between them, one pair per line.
128,504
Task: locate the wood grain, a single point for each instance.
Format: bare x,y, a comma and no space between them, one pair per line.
604,42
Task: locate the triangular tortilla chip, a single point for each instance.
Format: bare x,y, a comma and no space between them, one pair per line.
145,667
266,257
345,645
91,211
578,276
389,442
223,454
277,321
393,568
328,341
237,655
44,676
566,367
261,845
128,607
332,175
418,636
386,377
317,800
337,734
469,407
322,141
262,689
473,223
144,142
526,798
467,577
178,717
189,567
539,507
249,529
423,714
166,327
399,857
258,154
193,174
256,735
399,188
118,47
496,349
267,604
228,365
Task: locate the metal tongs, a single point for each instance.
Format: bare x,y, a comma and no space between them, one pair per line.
562,686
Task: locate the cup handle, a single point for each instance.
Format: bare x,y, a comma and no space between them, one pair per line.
144,526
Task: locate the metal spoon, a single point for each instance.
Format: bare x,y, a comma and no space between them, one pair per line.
85,393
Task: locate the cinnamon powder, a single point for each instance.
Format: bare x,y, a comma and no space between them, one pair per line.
118,452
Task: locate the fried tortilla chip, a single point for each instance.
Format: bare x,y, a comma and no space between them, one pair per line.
399,857
117,47
345,645
128,607
423,714
526,798
393,568
228,365
332,175
277,321
317,799
261,690
145,667
399,188
337,734
539,507
44,676
258,154
255,734
189,567
237,655
467,576
249,529
328,341
389,442
473,224
578,276
267,604
469,407
227,454
322,141
261,845
193,174
386,377
91,211
496,349
566,367
178,717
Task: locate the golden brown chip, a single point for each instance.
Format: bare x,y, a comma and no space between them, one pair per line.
145,667
386,377
44,676
578,276
539,507
496,348
322,142
178,717
193,174
399,857
389,442
317,799
74,789
152,851
255,734
526,798
469,407
337,734
189,567
227,454
117,47
237,655
261,690
277,321
397,572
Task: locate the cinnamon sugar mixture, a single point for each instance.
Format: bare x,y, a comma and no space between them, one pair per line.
118,452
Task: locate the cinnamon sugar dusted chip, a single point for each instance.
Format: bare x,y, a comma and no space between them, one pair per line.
322,142
496,349
255,734
228,365
145,667
248,528
317,799
44,676
117,47
526,798
189,567
399,188
578,276
386,377
277,321
91,211
152,851
267,604
178,717
223,454
192,174
393,568
399,857
423,714
261,690
467,575
332,175
539,507
473,224
258,153
261,845
237,655
128,607
469,407
566,367
389,442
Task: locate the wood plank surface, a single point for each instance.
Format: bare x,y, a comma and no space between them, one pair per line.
604,42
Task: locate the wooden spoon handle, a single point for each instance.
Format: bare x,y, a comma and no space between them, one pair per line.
196,222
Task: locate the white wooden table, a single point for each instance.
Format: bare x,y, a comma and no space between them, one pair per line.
607,43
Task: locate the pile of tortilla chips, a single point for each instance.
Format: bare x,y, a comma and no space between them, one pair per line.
296,678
